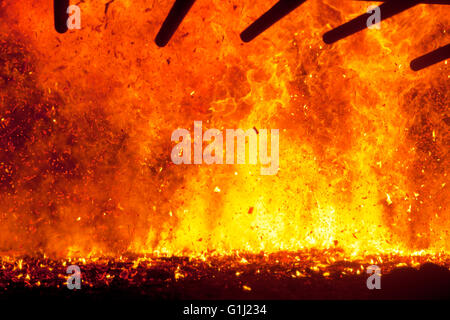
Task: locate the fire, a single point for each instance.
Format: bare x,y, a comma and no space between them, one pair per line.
86,119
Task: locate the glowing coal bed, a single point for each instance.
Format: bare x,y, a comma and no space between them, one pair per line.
276,276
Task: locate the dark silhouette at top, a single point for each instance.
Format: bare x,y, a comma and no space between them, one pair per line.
170,25
388,9
282,8
276,13
60,15
431,58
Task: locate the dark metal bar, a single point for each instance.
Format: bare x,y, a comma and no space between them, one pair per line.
173,20
60,14
388,9
431,58
276,13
